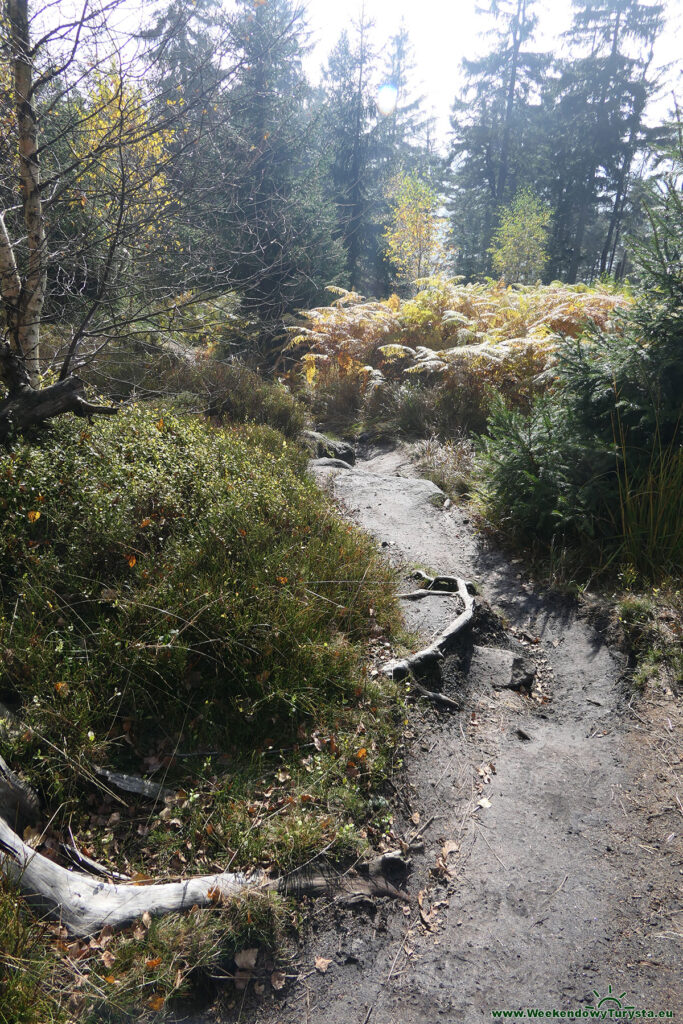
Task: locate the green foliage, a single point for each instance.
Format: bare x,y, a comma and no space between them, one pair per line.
155,563
519,248
413,234
27,965
225,391
599,460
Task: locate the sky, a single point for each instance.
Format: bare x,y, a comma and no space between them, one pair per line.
444,31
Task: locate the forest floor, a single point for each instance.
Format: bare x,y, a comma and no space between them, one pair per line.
547,859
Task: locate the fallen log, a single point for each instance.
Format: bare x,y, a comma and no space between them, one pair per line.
85,904
146,788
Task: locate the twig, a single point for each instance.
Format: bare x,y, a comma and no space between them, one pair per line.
423,828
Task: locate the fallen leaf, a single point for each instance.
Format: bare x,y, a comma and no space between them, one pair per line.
105,936
33,516
62,689
152,962
156,1003
108,959
32,837
450,846
139,932
147,919
362,753
322,963
484,802
415,818
110,979
277,980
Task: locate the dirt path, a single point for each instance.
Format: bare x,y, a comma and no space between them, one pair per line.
565,882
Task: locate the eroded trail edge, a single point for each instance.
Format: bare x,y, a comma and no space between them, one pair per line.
548,857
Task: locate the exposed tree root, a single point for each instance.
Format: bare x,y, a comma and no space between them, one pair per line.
428,658
440,699
26,406
84,903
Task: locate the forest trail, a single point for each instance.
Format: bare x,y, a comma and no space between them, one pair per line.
563,887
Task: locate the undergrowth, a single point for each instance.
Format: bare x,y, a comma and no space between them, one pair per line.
435,363
180,601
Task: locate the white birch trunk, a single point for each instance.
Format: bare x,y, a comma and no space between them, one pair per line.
27,329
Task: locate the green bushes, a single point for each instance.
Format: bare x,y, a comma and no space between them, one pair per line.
181,598
598,463
599,460
225,391
181,580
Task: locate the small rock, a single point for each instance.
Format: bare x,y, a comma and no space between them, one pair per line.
492,666
335,463
328,447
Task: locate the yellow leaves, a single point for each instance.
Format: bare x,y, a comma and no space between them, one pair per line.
310,367
156,1003
362,753
62,689
116,124
33,516
413,238
145,522
131,559
152,963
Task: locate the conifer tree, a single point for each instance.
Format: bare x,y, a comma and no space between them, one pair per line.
495,131
596,127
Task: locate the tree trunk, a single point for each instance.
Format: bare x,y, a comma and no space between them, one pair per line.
24,317
26,406
510,104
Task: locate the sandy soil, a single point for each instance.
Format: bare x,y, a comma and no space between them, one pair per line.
565,884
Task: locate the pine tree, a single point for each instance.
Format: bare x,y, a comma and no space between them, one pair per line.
264,212
495,131
349,135
598,103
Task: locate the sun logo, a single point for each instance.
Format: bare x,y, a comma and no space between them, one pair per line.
611,1000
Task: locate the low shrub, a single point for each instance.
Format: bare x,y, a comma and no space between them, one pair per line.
181,599
598,462
437,361
448,463
225,391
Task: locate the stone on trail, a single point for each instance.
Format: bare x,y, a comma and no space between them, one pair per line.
492,666
334,463
328,447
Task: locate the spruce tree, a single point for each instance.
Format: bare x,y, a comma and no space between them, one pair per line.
495,131
597,127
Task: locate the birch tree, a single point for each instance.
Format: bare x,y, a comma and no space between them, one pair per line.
89,214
